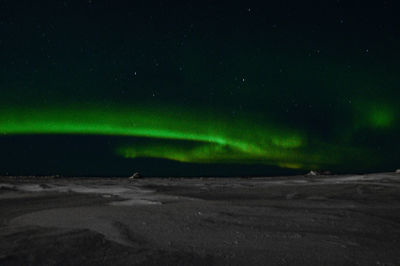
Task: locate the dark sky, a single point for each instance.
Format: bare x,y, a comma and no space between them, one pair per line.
191,88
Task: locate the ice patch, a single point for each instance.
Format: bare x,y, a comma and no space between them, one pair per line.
134,202
132,195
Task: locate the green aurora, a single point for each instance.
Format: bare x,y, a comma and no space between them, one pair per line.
199,137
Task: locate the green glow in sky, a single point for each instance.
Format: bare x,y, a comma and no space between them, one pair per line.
152,123
213,153
189,136
375,115
381,117
108,87
217,139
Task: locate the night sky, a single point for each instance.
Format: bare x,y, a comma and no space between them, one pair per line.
198,88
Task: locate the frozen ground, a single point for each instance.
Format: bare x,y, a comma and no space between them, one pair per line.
322,220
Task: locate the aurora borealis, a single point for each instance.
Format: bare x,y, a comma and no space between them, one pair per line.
198,88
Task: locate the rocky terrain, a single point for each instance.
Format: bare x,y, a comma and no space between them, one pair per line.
300,220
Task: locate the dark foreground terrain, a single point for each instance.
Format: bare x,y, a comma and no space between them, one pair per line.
321,220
